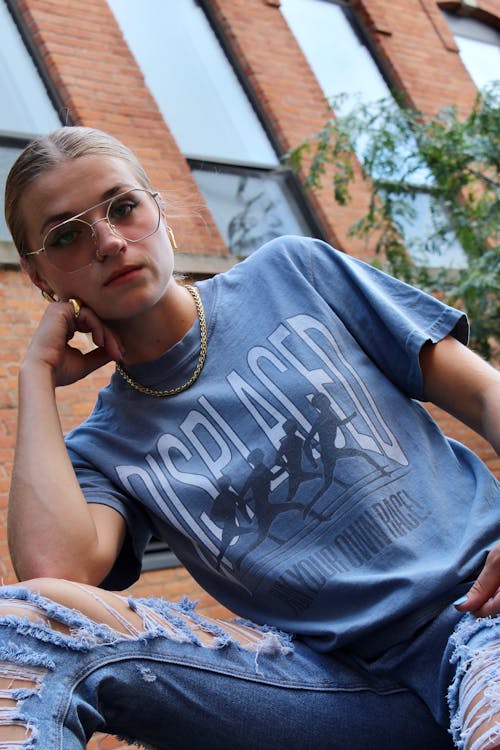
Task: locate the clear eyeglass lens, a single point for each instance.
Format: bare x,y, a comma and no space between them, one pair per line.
70,245
133,216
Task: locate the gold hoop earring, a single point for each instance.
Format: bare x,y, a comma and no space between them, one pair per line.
171,237
48,296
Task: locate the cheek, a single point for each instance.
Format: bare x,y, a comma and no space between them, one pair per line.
65,285
163,252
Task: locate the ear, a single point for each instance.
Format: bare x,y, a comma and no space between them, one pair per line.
37,280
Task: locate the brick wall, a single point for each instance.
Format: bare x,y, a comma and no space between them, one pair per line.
99,84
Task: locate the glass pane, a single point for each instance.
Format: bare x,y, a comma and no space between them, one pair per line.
7,159
158,556
193,82
481,59
479,47
339,59
250,209
26,107
418,228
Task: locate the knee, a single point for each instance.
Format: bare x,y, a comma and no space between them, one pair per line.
24,601
54,589
50,588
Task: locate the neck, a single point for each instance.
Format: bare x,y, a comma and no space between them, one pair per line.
149,335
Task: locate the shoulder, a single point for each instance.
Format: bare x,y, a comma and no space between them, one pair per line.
285,255
295,248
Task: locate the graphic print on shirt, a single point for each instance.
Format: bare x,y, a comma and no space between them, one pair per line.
322,473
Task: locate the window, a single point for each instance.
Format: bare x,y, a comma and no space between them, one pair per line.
158,556
342,61
26,107
212,120
479,47
335,49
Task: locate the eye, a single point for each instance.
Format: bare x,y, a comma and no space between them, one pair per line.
122,208
64,236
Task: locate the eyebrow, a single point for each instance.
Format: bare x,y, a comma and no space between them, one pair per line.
59,218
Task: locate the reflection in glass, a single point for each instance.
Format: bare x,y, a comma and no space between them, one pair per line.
250,208
418,225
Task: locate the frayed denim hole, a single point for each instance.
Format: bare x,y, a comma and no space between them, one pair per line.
146,673
178,621
175,620
20,679
159,621
83,638
476,653
480,700
82,633
276,641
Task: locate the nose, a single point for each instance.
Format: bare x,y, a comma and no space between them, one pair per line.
107,242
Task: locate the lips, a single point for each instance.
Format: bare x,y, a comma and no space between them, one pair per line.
122,275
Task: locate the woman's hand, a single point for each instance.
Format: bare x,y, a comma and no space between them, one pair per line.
483,599
50,345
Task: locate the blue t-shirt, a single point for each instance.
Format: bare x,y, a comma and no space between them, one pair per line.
299,479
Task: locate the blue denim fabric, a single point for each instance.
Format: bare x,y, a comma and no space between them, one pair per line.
167,690
434,663
422,663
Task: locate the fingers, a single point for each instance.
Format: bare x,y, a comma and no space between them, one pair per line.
93,360
87,322
490,609
483,598
50,344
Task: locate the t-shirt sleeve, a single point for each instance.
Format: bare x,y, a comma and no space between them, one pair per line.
389,319
98,489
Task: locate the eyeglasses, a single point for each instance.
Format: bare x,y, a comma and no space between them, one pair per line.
73,245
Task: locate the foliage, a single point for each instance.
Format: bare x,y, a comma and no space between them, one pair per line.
450,161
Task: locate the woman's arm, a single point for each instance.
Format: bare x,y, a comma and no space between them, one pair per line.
52,530
463,384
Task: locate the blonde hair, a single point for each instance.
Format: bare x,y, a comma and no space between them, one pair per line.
48,151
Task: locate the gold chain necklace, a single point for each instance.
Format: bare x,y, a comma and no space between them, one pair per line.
201,359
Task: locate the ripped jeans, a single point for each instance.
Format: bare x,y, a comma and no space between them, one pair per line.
158,674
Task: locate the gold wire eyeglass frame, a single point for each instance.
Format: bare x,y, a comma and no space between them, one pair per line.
154,194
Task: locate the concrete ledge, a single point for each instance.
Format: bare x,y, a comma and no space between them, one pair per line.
8,254
203,264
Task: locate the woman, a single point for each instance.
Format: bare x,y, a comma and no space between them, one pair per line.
361,564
